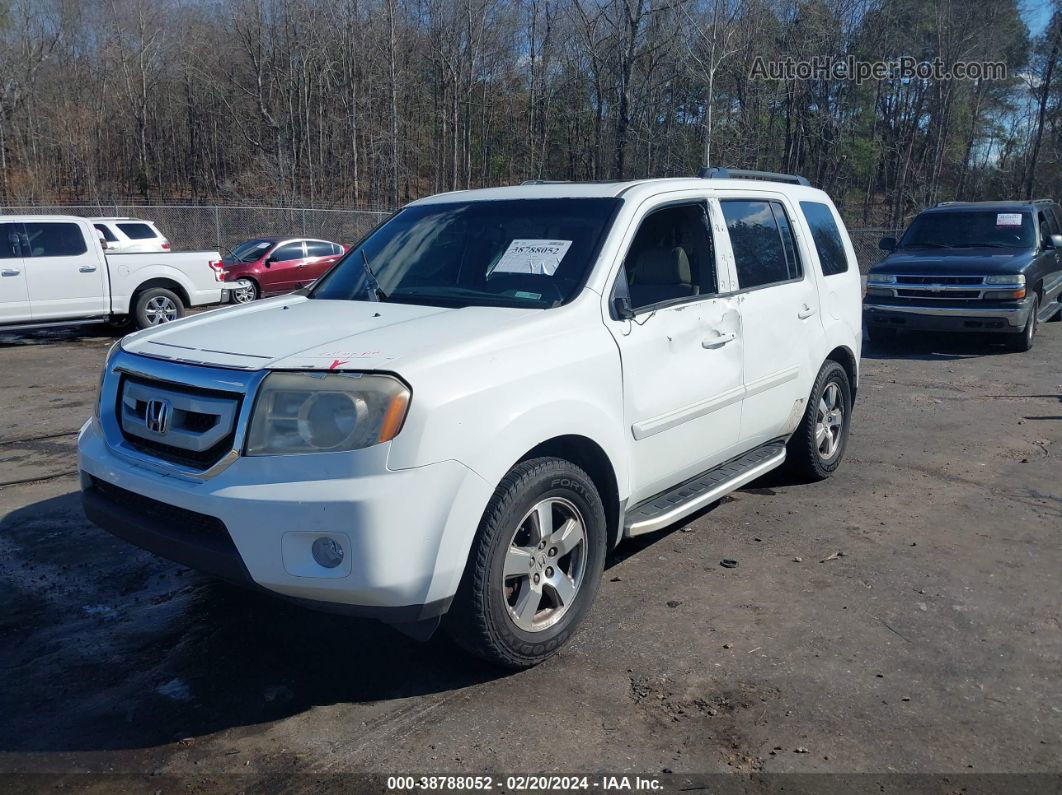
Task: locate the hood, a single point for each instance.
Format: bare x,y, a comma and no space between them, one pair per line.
955,261
295,332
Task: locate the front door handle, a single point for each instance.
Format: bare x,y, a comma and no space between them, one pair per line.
10,272
806,312
718,341
87,269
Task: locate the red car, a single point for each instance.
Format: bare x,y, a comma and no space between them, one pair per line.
275,265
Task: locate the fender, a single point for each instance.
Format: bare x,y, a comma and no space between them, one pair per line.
126,278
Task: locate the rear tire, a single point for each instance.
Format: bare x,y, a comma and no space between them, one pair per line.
156,306
1019,343
516,615
816,448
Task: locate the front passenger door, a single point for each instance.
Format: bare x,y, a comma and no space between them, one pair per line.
284,268
681,351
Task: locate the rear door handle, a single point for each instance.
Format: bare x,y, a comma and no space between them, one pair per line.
87,269
718,341
805,312
10,272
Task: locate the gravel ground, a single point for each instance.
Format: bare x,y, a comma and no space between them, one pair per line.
903,616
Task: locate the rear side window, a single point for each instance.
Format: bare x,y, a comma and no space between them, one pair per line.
319,248
827,238
762,239
54,239
137,231
105,230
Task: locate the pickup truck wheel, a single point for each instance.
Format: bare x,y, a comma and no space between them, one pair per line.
534,567
816,448
1024,341
156,306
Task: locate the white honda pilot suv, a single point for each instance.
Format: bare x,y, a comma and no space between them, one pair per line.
457,422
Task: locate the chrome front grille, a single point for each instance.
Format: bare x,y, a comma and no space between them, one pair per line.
949,280
184,425
936,288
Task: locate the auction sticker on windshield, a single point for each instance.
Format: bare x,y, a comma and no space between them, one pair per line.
1008,219
540,257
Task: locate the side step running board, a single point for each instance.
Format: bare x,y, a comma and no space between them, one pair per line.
704,489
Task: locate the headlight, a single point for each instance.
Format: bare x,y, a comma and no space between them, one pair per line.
1005,278
325,413
103,374
881,278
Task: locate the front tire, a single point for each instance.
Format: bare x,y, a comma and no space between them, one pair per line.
1024,341
156,306
816,448
534,567
246,295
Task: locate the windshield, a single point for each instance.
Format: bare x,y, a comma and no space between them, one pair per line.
979,229
249,251
532,253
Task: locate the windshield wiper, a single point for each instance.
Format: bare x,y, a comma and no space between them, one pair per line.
376,292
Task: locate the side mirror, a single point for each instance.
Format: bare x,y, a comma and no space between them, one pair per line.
1056,241
887,244
269,262
622,305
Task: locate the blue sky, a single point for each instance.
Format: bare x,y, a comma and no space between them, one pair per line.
1036,13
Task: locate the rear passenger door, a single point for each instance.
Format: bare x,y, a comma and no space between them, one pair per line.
14,293
320,256
63,273
778,302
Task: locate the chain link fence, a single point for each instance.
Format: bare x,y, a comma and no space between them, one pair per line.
192,228
221,227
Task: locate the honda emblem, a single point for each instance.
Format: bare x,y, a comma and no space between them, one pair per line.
157,416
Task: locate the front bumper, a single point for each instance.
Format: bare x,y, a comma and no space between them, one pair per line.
255,521
969,318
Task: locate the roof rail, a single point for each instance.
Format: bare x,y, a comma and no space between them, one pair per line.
716,172
545,182
997,202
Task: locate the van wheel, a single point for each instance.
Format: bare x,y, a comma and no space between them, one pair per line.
1024,341
534,567
156,306
816,448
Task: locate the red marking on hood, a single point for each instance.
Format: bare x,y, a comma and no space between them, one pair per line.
335,363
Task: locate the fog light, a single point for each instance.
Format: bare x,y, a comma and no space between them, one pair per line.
327,552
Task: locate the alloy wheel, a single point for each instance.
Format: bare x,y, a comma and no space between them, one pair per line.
159,310
545,564
829,421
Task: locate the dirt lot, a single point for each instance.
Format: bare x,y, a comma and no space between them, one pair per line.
902,616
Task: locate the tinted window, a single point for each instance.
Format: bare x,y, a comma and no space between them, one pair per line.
764,249
50,239
318,248
827,238
337,249
970,229
670,257
105,230
248,251
9,241
520,252
137,231
1047,226
288,252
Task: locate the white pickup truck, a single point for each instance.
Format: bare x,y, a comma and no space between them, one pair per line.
54,271
460,418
